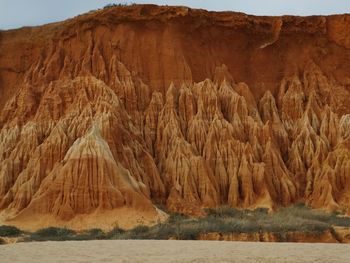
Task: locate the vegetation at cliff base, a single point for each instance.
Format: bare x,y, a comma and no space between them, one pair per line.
9,231
222,220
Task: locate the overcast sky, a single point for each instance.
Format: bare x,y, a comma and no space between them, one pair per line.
17,13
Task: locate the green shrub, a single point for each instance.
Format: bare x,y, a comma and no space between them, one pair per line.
313,215
9,231
188,232
223,211
176,217
337,220
92,234
115,233
53,233
117,4
163,231
139,229
289,219
226,211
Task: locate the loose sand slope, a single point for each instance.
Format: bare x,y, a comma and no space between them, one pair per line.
173,251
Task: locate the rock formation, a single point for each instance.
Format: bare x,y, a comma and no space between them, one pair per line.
126,108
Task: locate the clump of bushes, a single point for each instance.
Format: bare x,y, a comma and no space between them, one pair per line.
140,230
53,234
176,217
9,231
115,233
117,4
227,212
92,234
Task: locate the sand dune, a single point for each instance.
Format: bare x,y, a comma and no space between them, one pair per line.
173,251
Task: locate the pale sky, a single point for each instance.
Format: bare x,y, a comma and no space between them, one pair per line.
18,13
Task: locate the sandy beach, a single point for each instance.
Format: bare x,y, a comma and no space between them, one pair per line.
133,251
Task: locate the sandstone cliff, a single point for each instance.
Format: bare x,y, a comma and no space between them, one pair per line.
108,114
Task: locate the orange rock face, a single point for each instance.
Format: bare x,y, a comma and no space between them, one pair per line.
116,111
